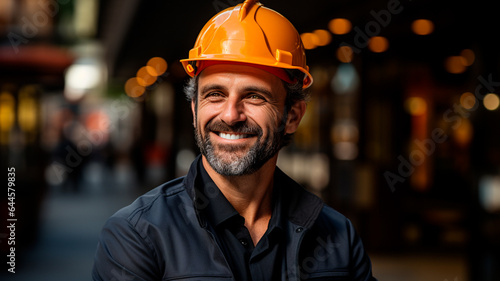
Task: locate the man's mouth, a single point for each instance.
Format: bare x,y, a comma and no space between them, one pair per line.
230,136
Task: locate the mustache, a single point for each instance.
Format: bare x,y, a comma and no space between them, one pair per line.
240,127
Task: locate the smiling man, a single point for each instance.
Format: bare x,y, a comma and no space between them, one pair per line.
236,216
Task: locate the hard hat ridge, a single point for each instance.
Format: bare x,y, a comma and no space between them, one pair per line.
245,7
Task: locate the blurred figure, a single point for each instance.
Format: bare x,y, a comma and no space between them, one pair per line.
67,129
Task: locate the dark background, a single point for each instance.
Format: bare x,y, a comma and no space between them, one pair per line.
430,218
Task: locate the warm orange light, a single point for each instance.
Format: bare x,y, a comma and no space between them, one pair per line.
7,112
97,121
308,40
491,101
467,100
416,106
378,44
344,54
133,89
464,132
322,38
144,78
157,66
27,109
468,57
454,64
422,27
340,26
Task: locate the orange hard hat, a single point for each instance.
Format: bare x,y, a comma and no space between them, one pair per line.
249,33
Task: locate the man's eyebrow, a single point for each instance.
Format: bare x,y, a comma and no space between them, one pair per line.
257,89
210,87
215,86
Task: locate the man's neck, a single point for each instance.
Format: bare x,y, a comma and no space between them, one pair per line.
250,195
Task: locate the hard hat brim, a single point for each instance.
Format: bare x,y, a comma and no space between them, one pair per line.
190,66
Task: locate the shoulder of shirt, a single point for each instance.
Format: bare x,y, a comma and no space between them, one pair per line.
151,200
330,217
332,213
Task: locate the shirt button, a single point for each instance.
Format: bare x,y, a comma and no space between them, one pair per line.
299,230
243,242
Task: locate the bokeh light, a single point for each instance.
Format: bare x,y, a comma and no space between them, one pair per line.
144,78
27,109
422,27
322,38
7,112
339,26
468,57
309,39
345,132
416,106
455,64
346,79
133,89
83,76
467,100
491,101
344,54
345,150
378,44
157,66
463,133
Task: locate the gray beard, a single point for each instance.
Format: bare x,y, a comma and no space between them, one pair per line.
253,160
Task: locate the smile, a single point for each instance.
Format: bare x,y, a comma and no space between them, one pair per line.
233,136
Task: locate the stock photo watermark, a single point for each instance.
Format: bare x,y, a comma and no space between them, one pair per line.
324,250
425,148
380,19
11,219
30,26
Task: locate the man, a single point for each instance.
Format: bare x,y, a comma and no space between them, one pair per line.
236,216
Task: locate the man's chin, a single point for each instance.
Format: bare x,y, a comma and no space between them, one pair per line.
229,156
227,164
239,149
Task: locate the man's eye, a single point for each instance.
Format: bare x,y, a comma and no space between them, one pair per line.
213,95
255,97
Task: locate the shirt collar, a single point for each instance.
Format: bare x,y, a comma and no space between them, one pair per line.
217,208
299,206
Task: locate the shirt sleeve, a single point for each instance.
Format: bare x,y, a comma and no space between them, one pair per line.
123,254
361,268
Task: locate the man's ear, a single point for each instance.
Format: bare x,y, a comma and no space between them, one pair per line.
193,109
294,117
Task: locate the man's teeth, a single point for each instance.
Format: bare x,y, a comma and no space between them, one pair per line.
232,136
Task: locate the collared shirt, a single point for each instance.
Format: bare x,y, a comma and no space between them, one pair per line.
248,262
169,234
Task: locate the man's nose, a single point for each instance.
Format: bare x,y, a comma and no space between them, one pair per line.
233,112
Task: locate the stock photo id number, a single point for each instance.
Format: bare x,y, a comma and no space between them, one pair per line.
11,219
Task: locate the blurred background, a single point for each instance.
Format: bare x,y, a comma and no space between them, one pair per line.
401,133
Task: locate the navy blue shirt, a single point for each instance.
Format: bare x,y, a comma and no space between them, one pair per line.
248,262
185,230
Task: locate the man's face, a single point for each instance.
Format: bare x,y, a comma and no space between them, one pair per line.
240,118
